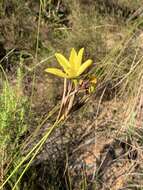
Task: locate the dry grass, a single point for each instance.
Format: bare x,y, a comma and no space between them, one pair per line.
100,146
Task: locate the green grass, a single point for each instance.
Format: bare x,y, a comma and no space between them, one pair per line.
13,124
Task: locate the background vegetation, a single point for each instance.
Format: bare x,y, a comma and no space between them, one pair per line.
99,146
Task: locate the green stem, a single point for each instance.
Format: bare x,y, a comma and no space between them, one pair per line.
36,152
38,147
63,99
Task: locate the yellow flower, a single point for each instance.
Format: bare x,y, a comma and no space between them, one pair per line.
72,68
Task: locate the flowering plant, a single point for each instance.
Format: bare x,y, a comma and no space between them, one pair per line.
72,69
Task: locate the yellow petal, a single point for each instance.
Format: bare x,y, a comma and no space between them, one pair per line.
93,80
63,62
79,59
56,72
72,59
84,66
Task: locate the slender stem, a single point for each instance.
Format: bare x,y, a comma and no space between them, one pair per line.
36,152
63,99
71,97
35,149
36,57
